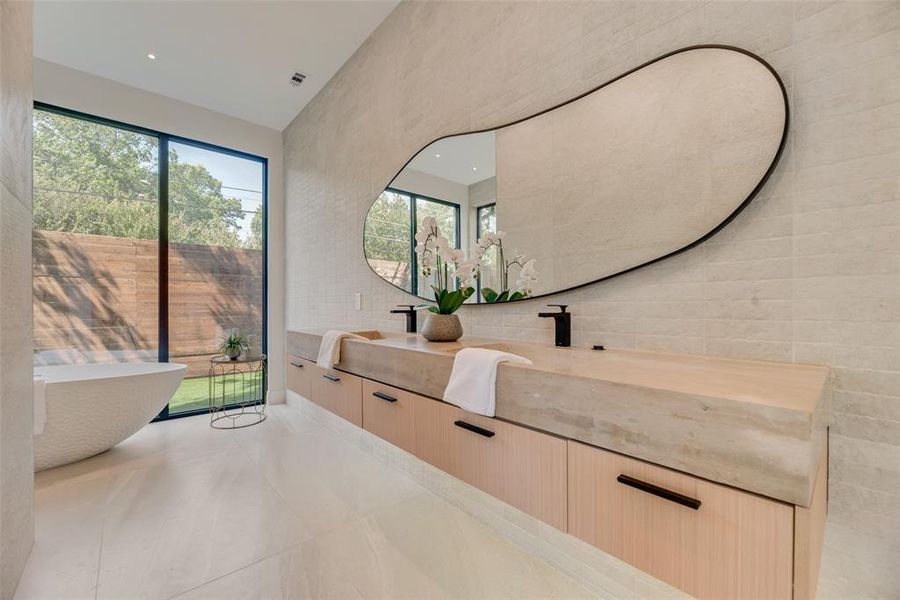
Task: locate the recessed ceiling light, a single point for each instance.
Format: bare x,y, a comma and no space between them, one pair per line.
437,155
151,56
474,168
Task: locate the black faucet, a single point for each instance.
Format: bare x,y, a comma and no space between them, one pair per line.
563,324
410,312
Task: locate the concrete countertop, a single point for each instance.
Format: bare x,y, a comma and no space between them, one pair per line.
755,425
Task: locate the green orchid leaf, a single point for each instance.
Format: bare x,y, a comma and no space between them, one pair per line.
455,302
488,294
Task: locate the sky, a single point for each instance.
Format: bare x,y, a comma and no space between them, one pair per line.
238,175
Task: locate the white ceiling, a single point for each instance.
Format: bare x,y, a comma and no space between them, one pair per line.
458,156
234,57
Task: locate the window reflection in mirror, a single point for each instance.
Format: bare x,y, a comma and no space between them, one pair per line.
387,242
390,236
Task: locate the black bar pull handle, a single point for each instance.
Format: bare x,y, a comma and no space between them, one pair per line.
296,364
384,396
675,497
474,428
331,377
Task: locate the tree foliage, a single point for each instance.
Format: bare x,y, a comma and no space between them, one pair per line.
95,179
388,240
387,234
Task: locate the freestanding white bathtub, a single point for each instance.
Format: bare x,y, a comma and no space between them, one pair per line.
91,408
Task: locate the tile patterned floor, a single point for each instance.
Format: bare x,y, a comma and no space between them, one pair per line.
283,510
291,509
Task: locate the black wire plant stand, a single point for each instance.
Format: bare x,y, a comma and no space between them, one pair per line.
237,395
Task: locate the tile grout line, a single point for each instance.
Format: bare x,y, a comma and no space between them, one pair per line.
531,545
356,519
233,571
109,489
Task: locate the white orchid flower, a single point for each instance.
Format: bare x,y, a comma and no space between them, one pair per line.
527,278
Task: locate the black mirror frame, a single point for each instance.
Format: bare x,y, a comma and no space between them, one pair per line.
753,193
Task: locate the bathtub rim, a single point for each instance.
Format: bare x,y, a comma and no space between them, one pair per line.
154,368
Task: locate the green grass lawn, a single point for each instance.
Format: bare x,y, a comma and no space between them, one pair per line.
194,393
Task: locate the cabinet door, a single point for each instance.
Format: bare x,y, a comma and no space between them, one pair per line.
339,392
387,412
298,375
709,540
522,467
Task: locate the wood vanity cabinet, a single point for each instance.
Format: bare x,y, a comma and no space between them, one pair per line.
339,392
520,466
298,374
388,413
709,540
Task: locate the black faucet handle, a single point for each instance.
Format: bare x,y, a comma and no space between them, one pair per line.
409,308
562,307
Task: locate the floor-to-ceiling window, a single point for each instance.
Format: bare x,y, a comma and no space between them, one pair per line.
146,247
215,260
95,242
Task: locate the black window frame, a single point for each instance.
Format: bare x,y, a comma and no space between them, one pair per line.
413,225
478,210
478,233
164,139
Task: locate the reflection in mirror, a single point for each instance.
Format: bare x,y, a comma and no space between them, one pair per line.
639,169
447,183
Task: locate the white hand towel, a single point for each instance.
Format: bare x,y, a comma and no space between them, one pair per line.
330,348
473,381
40,405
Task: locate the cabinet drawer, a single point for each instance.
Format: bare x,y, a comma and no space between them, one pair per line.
387,412
706,539
522,467
339,392
298,373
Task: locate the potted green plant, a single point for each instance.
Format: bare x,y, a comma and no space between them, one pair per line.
233,345
446,264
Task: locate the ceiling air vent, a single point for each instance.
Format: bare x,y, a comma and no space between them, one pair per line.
297,78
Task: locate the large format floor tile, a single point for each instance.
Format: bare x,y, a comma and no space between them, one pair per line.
290,509
173,527
285,509
420,548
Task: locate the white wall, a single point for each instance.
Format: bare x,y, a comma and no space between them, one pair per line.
76,90
810,272
16,408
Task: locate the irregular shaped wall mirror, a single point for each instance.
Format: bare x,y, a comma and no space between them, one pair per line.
643,167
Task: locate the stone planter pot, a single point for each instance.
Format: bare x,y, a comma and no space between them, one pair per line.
442,328
233,354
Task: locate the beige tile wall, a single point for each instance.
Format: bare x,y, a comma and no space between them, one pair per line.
16,411
810,272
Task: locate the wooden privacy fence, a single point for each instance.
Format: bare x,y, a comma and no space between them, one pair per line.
99,294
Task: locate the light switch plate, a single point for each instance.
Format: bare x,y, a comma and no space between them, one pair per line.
358,301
